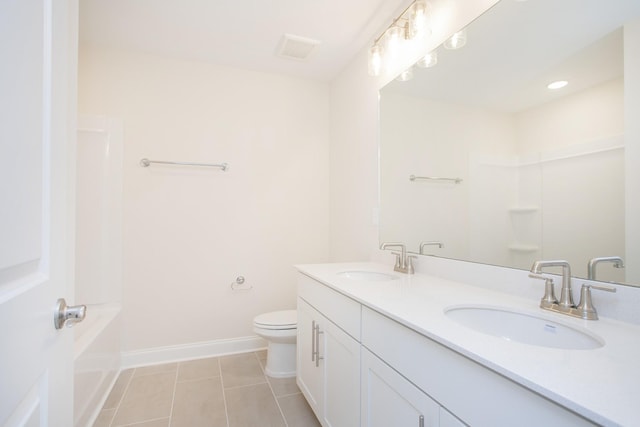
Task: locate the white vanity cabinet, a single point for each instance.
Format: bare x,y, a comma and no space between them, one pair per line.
358,367
475,394
328,357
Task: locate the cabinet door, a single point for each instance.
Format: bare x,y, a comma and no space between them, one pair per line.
448,420
341,361
309,376
388,399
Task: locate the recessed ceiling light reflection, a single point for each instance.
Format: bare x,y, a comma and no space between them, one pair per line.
557,85
406,75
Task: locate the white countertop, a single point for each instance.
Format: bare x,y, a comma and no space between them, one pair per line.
601,384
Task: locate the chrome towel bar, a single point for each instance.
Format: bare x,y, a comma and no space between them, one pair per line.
435,178
146,163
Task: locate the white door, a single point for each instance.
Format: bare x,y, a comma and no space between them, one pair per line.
37,129
309,372
341,360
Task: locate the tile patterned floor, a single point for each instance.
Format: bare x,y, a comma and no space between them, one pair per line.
228,391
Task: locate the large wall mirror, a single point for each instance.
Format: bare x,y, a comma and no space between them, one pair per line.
523,172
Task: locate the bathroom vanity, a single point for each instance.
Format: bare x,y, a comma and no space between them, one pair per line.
379,348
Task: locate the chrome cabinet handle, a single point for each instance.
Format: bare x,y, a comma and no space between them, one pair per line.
421,421
318,357
313,340
68,315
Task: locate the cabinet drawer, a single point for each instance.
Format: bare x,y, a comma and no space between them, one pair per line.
475,394
341,310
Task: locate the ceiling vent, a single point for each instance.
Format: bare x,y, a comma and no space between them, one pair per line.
296,47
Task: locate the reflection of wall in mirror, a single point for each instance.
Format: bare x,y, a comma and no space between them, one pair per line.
632,149
428,138
495,215
580,144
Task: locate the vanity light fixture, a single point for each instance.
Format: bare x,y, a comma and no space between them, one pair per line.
557,84
412,23
429,60
456,41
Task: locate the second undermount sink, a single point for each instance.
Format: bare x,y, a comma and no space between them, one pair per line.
364,275
523,327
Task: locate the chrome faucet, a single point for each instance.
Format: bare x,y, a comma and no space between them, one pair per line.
584,309
566,296
423,244
404,263
616,260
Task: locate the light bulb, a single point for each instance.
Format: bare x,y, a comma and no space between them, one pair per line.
457,40
418,21
394,37
429,60
375,60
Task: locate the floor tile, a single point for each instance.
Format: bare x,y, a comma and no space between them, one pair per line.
199,403
148,397
297,411
241,370
156,369
162,422
118,389
253,406
195,394
283,386
198,369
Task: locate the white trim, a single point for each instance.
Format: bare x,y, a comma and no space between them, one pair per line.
153,356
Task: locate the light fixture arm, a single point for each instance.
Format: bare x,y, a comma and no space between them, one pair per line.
394,23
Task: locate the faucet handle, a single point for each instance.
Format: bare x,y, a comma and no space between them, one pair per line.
410,269
549,298
398,259
585,308
602,287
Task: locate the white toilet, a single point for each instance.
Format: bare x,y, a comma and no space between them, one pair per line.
279,328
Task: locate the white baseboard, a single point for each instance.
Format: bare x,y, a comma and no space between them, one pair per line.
157,355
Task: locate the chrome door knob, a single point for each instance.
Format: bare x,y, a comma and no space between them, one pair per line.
68,315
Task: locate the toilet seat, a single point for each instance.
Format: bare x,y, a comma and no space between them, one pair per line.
277,320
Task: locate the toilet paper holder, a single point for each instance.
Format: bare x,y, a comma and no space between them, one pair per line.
239,284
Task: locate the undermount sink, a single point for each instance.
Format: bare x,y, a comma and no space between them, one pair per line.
523,327
363,275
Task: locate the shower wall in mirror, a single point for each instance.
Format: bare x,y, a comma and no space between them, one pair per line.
529,173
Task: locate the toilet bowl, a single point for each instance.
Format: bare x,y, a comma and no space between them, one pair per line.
279,328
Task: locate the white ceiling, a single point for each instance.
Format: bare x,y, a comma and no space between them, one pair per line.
244,34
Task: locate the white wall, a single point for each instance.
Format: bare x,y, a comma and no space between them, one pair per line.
189,232
354,164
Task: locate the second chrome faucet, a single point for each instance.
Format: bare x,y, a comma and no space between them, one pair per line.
404,262
584,309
